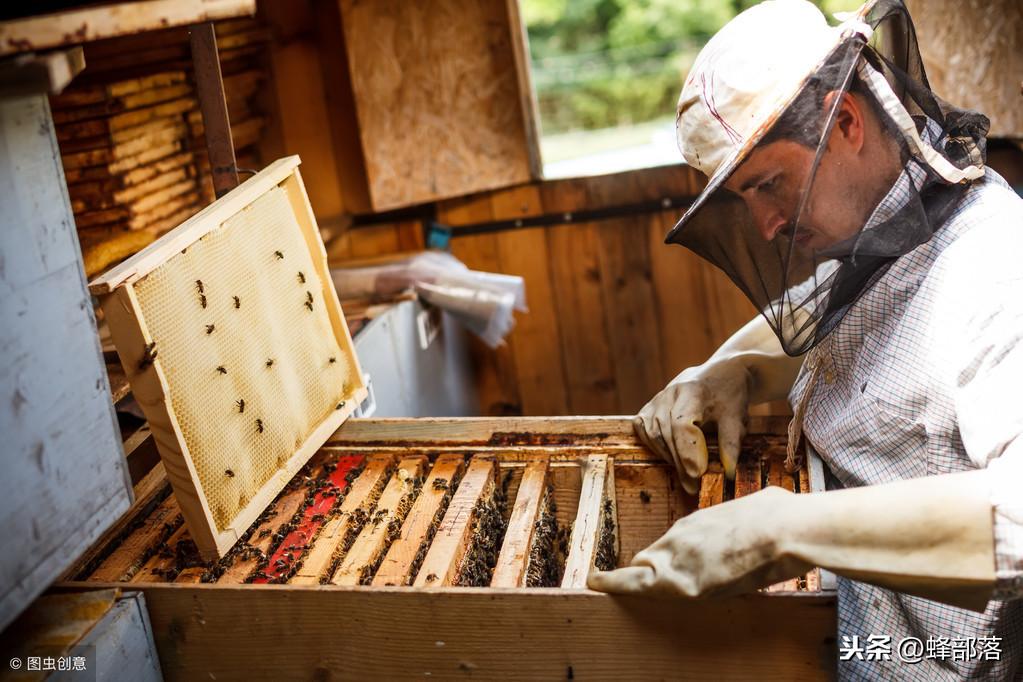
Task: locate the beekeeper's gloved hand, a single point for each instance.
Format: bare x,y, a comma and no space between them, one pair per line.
931,537
748,369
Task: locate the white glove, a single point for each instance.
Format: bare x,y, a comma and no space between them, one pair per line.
931,537
749,368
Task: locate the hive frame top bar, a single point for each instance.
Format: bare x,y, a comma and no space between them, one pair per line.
206,220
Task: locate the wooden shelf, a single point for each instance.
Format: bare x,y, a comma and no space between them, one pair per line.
111,20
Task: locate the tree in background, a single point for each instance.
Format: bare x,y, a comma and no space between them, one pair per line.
606,63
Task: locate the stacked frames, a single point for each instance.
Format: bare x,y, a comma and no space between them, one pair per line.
132,140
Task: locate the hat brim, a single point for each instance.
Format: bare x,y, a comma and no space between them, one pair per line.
725,170
740,154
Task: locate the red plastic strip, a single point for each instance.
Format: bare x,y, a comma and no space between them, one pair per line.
294,544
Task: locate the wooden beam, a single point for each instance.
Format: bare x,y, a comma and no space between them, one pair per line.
141,453
508,431
361,561
353,512
111,20
133,551
209,86
747,476
513,560
454,534
421,522
712,486
596,503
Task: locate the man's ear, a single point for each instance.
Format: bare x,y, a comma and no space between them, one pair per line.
848,130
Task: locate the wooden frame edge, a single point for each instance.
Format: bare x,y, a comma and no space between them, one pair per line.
203,222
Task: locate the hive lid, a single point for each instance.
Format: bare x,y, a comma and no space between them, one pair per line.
233,340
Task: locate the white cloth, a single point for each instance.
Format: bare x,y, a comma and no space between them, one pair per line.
924,376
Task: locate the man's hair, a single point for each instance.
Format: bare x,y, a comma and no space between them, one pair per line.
803,120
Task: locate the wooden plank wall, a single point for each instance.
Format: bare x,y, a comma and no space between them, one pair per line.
614,313
132,138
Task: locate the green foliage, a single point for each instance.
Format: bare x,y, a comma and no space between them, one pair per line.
603,63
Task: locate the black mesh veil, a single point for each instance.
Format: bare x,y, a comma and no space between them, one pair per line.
802,240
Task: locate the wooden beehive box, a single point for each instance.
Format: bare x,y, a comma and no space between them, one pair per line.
457,548
231,335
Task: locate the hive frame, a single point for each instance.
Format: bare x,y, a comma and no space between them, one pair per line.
150,387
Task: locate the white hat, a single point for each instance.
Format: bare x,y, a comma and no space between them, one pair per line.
743,79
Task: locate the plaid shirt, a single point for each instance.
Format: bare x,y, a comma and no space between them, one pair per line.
923,377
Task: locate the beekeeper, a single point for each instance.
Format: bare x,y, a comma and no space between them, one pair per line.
853,207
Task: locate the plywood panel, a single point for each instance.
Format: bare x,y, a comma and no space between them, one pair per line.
112,19
437,98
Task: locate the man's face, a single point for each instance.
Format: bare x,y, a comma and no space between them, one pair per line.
772,180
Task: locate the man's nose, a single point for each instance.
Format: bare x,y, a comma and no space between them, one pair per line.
770,224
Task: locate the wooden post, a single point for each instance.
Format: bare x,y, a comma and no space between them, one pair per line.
209,86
